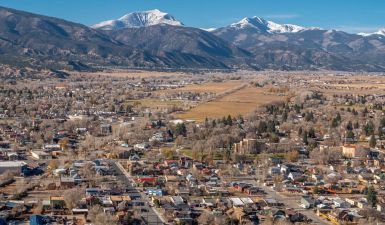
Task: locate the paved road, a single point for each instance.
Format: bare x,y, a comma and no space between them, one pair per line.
149,214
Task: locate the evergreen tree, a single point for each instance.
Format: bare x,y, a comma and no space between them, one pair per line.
372,141
371,196
229,120
364,112
224,121
369,128
338,117
309,116
311,133
334,123
304,138
350,134
349,126
180,129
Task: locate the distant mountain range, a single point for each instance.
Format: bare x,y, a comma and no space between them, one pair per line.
292,47
31,43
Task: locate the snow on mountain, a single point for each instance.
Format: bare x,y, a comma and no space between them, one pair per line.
208,29
139,19
266,26
380,32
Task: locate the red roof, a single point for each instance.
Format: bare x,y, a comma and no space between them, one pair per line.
147,179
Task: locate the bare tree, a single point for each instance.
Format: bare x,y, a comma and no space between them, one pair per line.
72,197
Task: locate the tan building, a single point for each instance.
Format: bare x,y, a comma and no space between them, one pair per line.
354,151
248,146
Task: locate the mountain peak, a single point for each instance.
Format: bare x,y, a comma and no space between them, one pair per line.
263,25
380,32
139,19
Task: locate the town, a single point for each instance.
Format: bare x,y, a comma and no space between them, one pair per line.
145,147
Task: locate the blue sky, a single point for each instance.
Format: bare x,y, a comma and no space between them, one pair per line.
349,15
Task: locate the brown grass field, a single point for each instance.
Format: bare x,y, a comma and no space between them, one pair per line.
155,103
241,102
214,87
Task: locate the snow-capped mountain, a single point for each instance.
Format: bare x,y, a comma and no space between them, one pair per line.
266,26
139,19
381,32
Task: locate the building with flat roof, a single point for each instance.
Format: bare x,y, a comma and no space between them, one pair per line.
248,146
12,166
355,151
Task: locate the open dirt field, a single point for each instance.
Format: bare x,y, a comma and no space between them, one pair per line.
241,102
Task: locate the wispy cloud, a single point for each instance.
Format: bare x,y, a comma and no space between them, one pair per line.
281,16
358,29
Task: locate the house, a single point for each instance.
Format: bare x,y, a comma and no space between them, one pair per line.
247,201
342,216
37,219
380,207
94,192
67,182
182,191
41,155
208,202
134,157
278,214
141,146
190,178
57,202
52,147
237,202
339,203
105,129
31,169
151,180
117,199
177,200
274,171
12,156
253,190
155,192
317,177
294,176
307,202
272,202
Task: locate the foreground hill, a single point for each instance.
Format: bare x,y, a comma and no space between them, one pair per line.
186,46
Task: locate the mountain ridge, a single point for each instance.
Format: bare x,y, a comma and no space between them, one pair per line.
32,43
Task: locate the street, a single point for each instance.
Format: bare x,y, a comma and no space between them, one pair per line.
148,214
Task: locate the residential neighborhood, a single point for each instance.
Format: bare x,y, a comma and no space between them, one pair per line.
108,150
